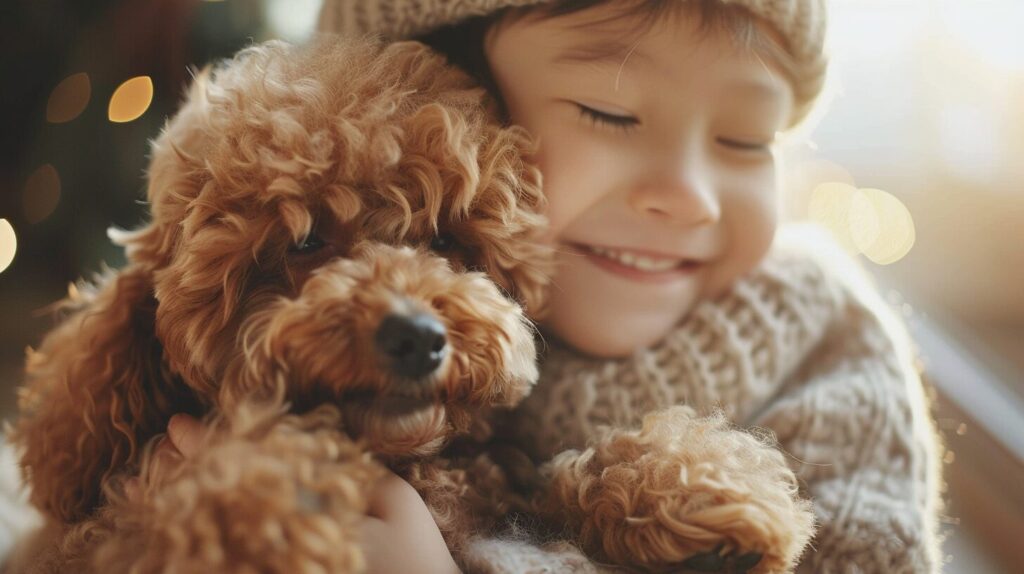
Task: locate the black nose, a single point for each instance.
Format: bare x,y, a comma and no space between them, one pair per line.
413,345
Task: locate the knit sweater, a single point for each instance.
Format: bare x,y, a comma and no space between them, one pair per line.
803,346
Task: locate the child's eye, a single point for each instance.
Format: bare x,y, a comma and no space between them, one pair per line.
624,123
744,145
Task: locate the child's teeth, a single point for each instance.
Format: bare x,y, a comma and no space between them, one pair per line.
637,261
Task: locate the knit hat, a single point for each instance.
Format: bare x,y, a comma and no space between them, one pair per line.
800,22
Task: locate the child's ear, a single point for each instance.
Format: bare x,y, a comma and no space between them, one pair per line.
95,391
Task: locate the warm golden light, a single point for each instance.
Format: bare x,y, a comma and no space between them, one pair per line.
41,193
867,221
830,207
69,98
8,244
892,234
864,223
131,99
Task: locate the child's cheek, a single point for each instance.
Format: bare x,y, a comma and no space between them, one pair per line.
577,172
749,223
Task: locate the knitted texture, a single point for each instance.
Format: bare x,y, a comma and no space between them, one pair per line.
803,346
802,23
511,554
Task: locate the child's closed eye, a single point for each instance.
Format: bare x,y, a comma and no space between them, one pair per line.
741,145
624,123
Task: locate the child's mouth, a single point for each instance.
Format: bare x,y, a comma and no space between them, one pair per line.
639,266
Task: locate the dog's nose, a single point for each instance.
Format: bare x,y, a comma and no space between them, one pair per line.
414,345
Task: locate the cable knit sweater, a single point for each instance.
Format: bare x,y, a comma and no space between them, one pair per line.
804,346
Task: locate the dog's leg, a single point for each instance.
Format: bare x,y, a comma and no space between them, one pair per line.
681,493
280,494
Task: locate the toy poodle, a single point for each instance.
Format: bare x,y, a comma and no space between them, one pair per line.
339,232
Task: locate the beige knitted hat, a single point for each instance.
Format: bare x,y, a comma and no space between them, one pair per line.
801,23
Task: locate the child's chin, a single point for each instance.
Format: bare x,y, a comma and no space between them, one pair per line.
615,341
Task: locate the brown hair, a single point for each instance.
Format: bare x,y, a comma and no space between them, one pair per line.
463,43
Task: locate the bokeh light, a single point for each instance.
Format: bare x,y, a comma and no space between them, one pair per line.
131,99
893,233
292,20
830,207
41,193
8,244
69,99
871,222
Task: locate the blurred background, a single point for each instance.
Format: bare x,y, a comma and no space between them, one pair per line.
915,165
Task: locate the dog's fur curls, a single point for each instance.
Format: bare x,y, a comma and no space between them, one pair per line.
295,198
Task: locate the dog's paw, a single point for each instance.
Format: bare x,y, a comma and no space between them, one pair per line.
276,495
683,494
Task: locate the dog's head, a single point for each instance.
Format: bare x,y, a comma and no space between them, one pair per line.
345,222
339,222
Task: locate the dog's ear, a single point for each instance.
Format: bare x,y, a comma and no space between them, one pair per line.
95,391
99,386
518,258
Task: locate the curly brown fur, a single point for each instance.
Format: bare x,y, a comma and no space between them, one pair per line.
370,151
279,492
679,486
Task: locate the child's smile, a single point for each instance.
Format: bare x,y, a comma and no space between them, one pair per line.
657,161
641,265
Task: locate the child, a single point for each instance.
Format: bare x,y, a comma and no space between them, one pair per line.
656,121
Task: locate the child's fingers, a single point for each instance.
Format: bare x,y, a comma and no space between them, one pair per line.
423,547
391,496
185,432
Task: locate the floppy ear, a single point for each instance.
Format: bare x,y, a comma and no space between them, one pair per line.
518,258
95,391
99,386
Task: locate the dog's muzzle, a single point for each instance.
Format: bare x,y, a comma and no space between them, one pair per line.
412,345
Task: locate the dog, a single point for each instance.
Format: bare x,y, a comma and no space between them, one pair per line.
338,271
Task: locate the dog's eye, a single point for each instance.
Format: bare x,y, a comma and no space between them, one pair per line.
443,243
311,243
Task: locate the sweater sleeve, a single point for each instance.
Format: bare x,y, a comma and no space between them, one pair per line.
856,424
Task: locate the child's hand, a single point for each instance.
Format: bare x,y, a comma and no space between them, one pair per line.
399,534
183,435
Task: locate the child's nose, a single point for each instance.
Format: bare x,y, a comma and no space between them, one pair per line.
683,200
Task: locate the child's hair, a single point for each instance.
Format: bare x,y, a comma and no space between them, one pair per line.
463,43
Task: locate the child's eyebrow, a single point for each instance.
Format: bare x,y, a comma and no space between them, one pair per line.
603,53
757,89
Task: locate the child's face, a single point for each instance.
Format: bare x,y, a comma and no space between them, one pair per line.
655,217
